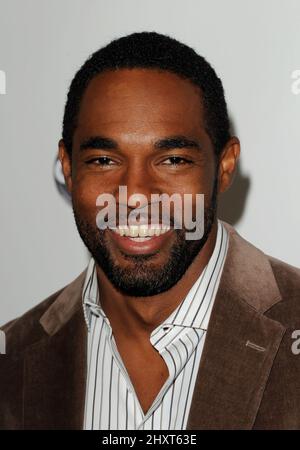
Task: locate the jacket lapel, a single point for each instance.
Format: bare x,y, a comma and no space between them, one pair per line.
55,367
241,342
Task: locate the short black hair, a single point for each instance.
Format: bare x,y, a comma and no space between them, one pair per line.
152,50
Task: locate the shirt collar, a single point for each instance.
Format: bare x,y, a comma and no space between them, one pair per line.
90,294
194,311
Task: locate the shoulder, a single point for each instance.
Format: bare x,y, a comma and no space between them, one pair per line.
26,329
30,327
266,283
287,277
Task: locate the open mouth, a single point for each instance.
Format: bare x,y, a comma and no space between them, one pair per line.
138,239
141,230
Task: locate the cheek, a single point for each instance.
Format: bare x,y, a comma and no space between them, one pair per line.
204,185
201,184
84,198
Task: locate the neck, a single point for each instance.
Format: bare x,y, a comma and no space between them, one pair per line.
137,317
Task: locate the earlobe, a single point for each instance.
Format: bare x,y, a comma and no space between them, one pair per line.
228,163
65,164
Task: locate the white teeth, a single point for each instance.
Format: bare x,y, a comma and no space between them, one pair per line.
142,231
151,231
133,231
120,230
140,239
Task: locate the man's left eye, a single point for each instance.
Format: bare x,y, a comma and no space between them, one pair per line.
176,161
101,161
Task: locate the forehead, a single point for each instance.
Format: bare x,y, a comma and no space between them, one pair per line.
141,97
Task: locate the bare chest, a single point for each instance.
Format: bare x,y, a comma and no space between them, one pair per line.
147,370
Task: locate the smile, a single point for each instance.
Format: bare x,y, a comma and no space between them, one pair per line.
141,231
140,239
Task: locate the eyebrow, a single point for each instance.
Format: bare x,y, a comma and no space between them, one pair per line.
177,142
98,142
171,142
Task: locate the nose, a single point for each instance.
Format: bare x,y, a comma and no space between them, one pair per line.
140,183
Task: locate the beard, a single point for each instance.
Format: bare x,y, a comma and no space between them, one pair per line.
142,277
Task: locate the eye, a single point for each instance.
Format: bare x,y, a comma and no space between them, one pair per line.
101,161
176,161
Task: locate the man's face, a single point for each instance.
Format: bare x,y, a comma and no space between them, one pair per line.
154,142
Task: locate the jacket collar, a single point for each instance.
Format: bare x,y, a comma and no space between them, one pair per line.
241,342
64,307
54,378
248,273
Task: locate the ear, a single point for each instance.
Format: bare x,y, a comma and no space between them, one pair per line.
228,163
66,164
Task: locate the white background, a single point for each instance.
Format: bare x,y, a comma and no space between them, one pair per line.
254,47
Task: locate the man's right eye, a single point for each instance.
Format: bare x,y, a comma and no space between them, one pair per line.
101,161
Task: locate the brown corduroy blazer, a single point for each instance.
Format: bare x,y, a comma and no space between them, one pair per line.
249,377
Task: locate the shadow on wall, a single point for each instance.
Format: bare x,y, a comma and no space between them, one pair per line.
231,203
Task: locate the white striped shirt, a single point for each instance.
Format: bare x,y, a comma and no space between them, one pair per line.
111,402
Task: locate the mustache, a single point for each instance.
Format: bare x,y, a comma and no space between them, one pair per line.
141,216
175,216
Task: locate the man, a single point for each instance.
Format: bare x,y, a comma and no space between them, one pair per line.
160,331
